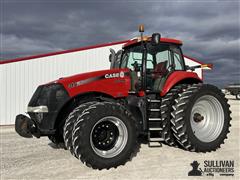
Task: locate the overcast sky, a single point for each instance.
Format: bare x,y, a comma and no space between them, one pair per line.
210,30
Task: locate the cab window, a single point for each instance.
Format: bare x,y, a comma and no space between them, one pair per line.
163,56
177,58
131,57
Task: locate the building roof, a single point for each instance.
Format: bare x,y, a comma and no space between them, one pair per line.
61,52
127,43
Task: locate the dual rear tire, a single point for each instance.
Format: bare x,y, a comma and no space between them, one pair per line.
200,118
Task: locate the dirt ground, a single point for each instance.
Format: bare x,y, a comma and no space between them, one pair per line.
36,159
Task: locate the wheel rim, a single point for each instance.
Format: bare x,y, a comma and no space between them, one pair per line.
238,96
207,118
109,137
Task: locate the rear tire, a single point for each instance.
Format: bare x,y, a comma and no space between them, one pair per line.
201,118
166,108
105,136
69,123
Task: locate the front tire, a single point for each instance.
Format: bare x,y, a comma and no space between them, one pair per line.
201,118
69,123
105,136
57,141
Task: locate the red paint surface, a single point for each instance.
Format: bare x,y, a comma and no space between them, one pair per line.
115,87
176,77
166,40
141,93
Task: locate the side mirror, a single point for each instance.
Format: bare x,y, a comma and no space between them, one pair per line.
155,39
112,55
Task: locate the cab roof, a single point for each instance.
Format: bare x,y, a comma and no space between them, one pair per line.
148,38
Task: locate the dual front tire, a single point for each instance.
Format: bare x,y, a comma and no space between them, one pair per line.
101,134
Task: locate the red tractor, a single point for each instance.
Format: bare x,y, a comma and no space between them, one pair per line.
148,94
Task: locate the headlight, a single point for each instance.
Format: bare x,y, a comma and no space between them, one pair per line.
37,109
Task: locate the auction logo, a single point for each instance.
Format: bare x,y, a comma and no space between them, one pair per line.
195,171
212,168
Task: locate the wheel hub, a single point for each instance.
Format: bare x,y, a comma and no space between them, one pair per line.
198,117
207,118
105,135
109,137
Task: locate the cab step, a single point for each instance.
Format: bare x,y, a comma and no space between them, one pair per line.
156,139
155,119
154,100
155,128
154,110
154,144
155,134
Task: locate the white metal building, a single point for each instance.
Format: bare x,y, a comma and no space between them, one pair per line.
20,77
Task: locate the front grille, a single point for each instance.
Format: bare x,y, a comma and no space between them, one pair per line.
53,96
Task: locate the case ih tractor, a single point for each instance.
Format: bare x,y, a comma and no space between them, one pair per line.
148,93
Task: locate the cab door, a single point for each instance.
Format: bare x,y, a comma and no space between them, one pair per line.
158,70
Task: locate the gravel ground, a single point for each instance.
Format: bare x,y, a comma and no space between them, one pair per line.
36,158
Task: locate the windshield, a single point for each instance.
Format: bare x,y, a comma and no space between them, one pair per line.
133,56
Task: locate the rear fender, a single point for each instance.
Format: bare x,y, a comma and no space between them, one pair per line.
179,77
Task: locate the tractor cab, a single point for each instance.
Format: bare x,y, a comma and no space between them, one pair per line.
150,61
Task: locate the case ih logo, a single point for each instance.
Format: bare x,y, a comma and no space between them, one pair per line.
114,75
106,76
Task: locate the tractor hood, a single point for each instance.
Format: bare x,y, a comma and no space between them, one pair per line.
114,82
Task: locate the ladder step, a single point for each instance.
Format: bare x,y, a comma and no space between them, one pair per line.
156,139
154,110
155,129
154,144
154,119
154,100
